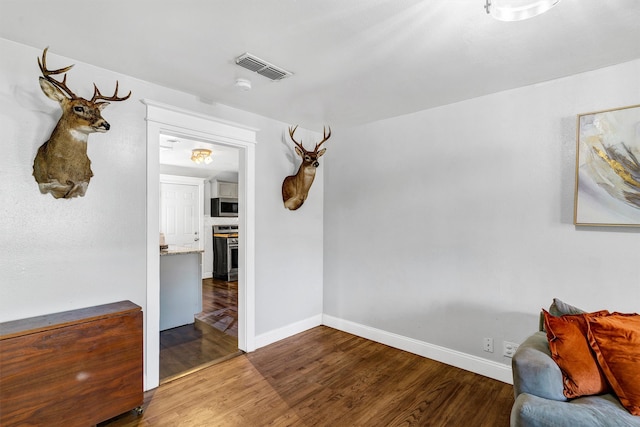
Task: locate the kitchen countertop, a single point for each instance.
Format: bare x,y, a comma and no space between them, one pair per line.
180,250
225,235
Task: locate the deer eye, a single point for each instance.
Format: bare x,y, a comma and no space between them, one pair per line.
78,109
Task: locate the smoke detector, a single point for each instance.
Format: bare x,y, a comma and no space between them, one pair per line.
262,67
243,84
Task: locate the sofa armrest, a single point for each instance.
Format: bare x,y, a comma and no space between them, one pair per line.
593,411
534,371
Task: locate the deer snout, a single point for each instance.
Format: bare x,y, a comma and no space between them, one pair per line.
102,126
316,164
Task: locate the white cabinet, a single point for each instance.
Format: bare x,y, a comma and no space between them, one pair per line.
224,189
180,288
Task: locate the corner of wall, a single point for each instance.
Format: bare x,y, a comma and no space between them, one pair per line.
468,362
270,337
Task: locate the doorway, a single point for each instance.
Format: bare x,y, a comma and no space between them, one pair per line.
207,334
165,119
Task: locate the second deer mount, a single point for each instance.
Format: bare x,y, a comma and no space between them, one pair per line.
61,166
295,188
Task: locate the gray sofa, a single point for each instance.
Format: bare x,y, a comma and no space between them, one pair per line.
537,384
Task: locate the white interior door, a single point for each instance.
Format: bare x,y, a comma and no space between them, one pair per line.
179,214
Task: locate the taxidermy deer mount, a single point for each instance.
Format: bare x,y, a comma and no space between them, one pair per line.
296,187
62,166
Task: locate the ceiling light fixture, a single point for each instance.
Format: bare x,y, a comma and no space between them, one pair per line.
517,10
201,155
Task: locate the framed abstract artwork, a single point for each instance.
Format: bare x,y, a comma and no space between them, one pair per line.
607,191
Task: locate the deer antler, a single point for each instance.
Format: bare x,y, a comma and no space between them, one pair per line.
97,95
291,132
48,73
324,137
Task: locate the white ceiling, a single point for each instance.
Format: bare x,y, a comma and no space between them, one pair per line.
354,60
175,159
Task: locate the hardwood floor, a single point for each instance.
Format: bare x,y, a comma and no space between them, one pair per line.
220,305
212,338
325,377
190,347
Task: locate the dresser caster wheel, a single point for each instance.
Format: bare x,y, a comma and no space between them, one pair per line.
139,410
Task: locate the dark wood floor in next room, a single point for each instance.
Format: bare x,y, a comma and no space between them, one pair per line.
213,336
325,377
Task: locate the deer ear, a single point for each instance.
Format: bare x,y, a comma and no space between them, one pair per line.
51,90
299,151
101,105
321,152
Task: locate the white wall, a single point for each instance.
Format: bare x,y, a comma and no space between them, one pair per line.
444,226
453,224
65,254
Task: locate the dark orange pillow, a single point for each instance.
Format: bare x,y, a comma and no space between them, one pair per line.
616,341
570,349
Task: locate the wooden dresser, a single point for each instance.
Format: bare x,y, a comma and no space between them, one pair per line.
75,368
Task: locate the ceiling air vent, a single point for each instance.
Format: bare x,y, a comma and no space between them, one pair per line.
264,68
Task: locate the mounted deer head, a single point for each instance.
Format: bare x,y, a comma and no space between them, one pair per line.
296,187
62,166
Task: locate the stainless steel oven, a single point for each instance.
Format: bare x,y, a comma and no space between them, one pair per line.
225,252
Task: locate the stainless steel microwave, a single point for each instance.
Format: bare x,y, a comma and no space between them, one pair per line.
224,206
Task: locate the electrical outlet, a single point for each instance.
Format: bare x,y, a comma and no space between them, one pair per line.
487,345
509,348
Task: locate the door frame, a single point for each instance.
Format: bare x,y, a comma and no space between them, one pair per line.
166,119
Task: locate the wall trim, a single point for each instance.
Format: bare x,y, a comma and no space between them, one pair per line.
275,335
468,362
478,365
170,120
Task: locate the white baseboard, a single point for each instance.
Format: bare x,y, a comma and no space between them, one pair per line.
455,358
287,331
468,362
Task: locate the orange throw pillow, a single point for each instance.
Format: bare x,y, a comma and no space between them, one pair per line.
616,342
570,349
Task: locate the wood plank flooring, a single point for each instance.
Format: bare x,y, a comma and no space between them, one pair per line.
213,336
325,377
190,347
220,305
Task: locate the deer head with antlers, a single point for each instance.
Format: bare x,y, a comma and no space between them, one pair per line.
62,166
296,187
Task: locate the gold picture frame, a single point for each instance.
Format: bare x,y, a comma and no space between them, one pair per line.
607,180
